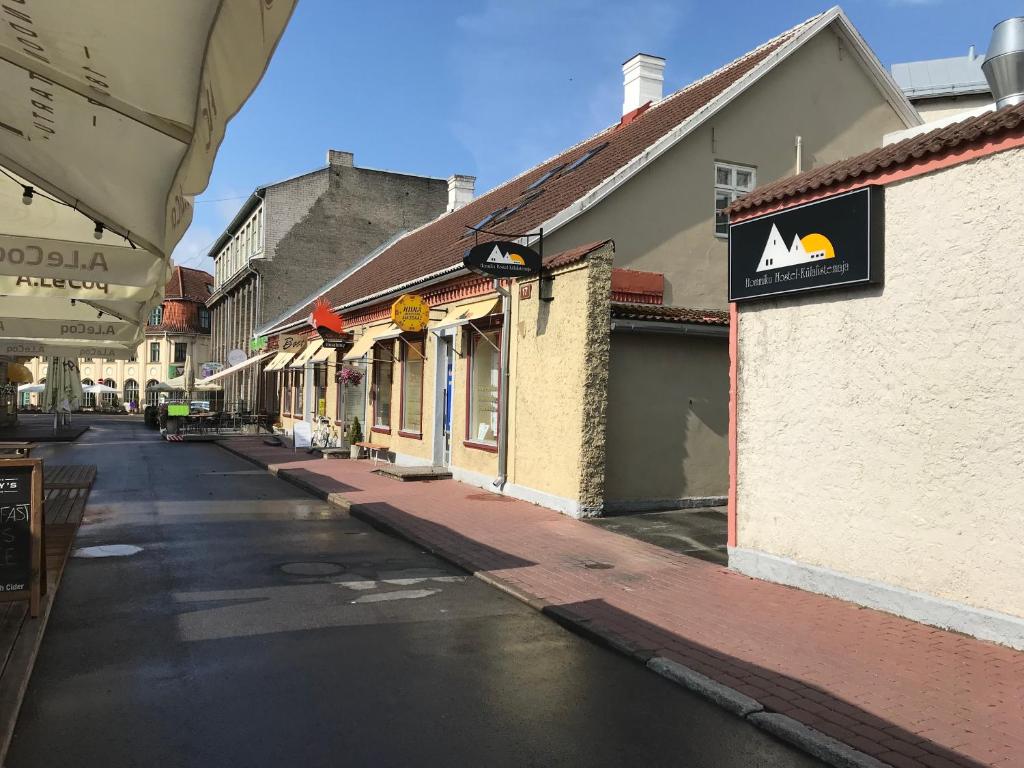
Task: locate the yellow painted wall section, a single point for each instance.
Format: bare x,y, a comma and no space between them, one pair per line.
559,378
662,220
880,428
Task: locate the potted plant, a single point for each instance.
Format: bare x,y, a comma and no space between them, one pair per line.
355,435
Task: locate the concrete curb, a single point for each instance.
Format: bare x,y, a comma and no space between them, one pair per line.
810,740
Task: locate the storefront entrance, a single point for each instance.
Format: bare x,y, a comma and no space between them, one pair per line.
443,406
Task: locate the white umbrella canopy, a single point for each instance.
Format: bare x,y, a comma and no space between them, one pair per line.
120,109
99,389
63,385
112,115
31,388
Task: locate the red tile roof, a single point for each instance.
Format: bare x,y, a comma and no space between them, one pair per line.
188,284
669,314
921,148
572,255
439,245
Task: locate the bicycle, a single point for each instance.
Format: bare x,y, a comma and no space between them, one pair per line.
325,435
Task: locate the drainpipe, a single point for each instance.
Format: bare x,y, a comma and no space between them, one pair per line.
799,154
506,332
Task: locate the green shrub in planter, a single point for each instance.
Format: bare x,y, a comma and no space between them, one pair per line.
355,435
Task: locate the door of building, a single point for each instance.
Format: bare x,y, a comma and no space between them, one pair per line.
443,404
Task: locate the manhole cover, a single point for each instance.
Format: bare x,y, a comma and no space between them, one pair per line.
107,550
598,566
312,569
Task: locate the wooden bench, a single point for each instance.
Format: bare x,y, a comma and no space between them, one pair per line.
375,450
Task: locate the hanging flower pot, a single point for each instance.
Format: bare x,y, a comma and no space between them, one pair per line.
350,376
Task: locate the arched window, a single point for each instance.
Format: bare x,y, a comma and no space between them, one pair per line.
88,398
152,395
131,392
109,398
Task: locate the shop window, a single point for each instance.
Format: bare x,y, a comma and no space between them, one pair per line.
731,182
180,351
484,389
383,377
352,397
412,387
297,391
154,351
320,389
287,405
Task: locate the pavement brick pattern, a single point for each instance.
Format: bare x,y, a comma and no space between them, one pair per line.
904,693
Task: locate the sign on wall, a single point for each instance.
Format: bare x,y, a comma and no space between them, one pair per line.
292,342
830,243
502,260
410,312
258,343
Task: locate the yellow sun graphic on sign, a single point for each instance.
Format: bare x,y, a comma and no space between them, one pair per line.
517,258
816,244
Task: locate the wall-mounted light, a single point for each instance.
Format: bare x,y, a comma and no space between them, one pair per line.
26,198
98,231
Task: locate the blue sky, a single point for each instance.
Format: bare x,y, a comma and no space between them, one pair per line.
490,88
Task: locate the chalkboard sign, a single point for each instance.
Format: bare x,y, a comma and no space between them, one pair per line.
20,529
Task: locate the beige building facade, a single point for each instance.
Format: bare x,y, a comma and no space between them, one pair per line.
877,430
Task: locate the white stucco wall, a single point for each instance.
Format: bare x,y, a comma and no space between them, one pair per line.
881,430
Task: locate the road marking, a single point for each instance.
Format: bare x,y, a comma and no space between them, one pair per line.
107,550
403,594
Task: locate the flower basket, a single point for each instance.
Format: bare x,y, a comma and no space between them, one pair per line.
350,376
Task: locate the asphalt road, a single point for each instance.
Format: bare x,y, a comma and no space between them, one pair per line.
257,626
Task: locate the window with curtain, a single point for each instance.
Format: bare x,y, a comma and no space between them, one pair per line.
383,378
412,386
484,389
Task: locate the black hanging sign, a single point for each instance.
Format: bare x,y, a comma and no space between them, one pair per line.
829,243
502,259
21,530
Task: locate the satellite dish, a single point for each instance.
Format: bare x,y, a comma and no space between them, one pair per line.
237,357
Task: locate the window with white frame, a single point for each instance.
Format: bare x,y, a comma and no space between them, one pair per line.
731,182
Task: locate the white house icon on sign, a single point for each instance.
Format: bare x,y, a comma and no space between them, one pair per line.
776,255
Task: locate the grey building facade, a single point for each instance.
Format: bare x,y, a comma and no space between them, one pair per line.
291,237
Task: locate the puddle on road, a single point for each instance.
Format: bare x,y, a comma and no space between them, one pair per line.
107,550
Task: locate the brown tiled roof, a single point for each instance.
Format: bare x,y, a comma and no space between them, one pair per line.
916,149
439,245
571,256
669,314
189,284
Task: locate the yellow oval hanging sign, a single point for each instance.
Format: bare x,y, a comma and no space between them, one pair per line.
410,313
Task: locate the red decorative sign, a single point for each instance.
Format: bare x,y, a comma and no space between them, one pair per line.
323,317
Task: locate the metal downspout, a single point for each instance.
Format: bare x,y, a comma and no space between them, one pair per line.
506,332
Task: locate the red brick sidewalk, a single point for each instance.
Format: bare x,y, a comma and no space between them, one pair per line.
902,692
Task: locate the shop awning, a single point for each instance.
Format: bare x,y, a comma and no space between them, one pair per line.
325,354
235,368
467,313
368,339
303,357
280,361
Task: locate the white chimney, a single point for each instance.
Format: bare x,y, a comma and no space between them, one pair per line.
460,191
643,78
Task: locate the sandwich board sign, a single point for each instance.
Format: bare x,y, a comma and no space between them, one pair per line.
21,531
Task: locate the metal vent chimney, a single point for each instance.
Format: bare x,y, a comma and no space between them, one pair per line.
1004,62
